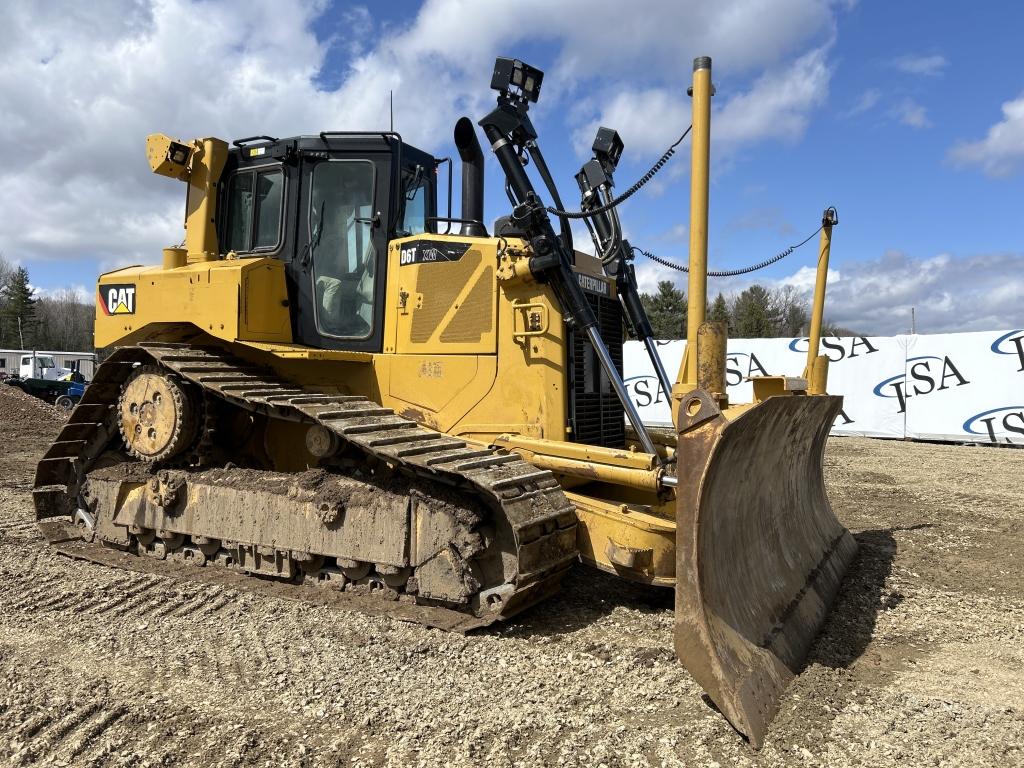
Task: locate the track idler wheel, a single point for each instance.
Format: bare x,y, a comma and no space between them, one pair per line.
158,414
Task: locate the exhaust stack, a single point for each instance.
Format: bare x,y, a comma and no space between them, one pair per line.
472,178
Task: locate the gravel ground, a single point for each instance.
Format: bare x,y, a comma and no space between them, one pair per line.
919,663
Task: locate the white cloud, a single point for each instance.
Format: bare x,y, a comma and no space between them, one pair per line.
804,279
81,85
1001,152
865,102
973,293
949,294
78,291
777,106
909,112
677,233
921,65
647,120
767,217
649,274
581,239
779,103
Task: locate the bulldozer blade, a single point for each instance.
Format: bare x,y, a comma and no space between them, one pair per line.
760,554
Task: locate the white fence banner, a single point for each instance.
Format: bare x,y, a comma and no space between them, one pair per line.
859,369
964,387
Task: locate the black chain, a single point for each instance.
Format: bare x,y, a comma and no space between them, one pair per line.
730,272
629,192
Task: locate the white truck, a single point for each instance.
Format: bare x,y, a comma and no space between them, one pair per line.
39,375
36,366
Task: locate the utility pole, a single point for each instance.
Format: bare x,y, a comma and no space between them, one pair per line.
913,322
21,336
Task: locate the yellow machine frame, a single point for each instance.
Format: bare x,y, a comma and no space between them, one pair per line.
505,387
468,340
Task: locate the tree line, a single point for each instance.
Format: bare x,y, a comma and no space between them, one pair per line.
62,320
755,313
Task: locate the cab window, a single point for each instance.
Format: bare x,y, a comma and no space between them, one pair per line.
255,201
414,218
341,243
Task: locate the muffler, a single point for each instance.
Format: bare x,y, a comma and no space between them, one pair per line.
472,178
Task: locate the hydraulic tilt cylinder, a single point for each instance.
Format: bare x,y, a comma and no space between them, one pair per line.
550,261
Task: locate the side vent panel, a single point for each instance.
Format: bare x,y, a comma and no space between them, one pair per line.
474,318
445,296
440,285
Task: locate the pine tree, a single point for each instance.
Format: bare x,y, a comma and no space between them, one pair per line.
667,311
18,319
755,315
718,312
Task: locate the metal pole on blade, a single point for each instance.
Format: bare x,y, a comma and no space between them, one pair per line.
828,220
700,142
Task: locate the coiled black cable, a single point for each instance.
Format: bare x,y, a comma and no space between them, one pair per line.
730,272
629,192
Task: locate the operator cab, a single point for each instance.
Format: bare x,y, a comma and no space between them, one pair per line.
327,206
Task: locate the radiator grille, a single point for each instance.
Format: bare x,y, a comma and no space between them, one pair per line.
596,415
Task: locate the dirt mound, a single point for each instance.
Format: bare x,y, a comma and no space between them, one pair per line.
24,412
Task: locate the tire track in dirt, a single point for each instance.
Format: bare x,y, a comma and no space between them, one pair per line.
98,705
115,593
19,528
186,605
18,531
91,736
19,592
89,730
49,731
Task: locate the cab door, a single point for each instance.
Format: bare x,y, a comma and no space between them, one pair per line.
339,271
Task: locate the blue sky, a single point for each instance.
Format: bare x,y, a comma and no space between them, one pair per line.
894,115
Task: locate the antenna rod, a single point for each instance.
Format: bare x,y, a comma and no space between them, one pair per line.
391,108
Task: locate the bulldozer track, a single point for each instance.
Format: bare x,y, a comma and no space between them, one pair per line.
542,519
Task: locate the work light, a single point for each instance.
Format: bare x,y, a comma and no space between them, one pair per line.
512,74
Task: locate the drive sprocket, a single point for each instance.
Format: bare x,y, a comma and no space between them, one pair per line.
158,414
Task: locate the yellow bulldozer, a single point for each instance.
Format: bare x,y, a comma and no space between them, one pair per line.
333,389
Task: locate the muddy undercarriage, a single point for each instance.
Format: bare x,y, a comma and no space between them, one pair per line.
390,510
